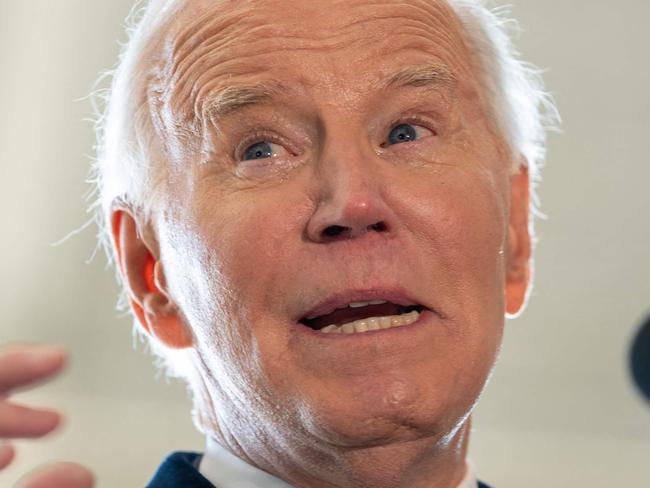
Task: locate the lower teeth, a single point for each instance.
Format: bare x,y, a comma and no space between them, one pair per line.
373,323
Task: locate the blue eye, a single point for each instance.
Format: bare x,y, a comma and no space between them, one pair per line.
406,133
259,150
402,133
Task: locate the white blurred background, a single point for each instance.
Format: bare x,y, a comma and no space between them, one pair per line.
560,410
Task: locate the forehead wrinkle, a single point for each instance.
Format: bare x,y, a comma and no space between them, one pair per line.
227,21
190,82
188,79
215,30
182,45
435,12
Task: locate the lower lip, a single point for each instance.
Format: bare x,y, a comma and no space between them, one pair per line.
425,317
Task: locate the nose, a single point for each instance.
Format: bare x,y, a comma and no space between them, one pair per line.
351,198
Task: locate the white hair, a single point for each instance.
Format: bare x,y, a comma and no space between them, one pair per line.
130,168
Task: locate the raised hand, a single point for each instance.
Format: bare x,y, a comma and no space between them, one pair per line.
26,365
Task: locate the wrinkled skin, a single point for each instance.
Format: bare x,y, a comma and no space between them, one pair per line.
244,248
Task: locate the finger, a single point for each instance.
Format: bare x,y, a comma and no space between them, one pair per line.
21,421
6,455
26,364
59,475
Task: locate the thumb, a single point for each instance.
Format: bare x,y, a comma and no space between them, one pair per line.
58,475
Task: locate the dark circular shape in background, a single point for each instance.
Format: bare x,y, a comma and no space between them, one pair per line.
640,359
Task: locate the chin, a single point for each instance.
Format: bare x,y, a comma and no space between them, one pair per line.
386,411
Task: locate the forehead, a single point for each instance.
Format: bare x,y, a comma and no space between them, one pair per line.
208,45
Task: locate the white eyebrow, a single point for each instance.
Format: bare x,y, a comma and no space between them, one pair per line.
432,75
233,98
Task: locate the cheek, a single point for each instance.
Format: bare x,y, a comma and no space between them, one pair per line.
463,220
466,231
256,242
238,266
474,225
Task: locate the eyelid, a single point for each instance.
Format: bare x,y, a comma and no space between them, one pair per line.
416,120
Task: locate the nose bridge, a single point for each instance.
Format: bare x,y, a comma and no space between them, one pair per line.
346,170
350,190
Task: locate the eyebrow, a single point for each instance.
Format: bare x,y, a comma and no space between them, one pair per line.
234,98
237,97
433,75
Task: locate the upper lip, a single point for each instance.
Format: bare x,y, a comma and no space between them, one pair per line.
343,298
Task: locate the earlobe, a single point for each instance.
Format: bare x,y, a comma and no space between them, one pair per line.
164,322
518,266
143,276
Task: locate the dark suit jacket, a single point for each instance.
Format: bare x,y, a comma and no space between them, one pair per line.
181,470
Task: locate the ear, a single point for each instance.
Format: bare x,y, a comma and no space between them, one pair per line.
518,265
143,276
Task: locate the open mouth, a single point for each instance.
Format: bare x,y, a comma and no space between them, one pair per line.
363,317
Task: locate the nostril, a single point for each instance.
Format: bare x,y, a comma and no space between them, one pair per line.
334,230
342,231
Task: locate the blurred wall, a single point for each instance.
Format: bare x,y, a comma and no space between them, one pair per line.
559,411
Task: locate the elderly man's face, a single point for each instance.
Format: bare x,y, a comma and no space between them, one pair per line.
323,153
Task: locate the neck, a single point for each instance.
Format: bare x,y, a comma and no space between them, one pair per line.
281,446
419,463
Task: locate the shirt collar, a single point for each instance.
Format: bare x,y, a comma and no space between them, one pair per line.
225,470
